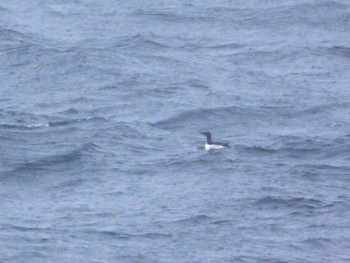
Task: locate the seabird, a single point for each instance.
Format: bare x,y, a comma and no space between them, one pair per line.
213,145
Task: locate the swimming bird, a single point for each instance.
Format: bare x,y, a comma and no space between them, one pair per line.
213,145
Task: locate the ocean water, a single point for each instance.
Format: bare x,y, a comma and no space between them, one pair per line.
101,108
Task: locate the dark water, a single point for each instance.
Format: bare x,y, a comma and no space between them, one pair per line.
101,105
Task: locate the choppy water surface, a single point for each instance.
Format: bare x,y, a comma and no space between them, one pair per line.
101,105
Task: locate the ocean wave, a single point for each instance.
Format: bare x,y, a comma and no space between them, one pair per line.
244,114
70,111
317,242
24,228
15,42
314,146
194,117
190,162
227,46
193,83
24,126
125,236
256,149
23,120
134,130
138,41
307,13
51,123
320,109
298,147
3,9
322,170
174,15
18,119
278,14
341,51
195,220
10,34
75,121
273,203
176,89
64,160
286,143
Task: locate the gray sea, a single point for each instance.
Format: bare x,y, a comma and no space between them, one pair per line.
101,108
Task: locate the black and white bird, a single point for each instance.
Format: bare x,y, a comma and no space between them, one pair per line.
213,145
